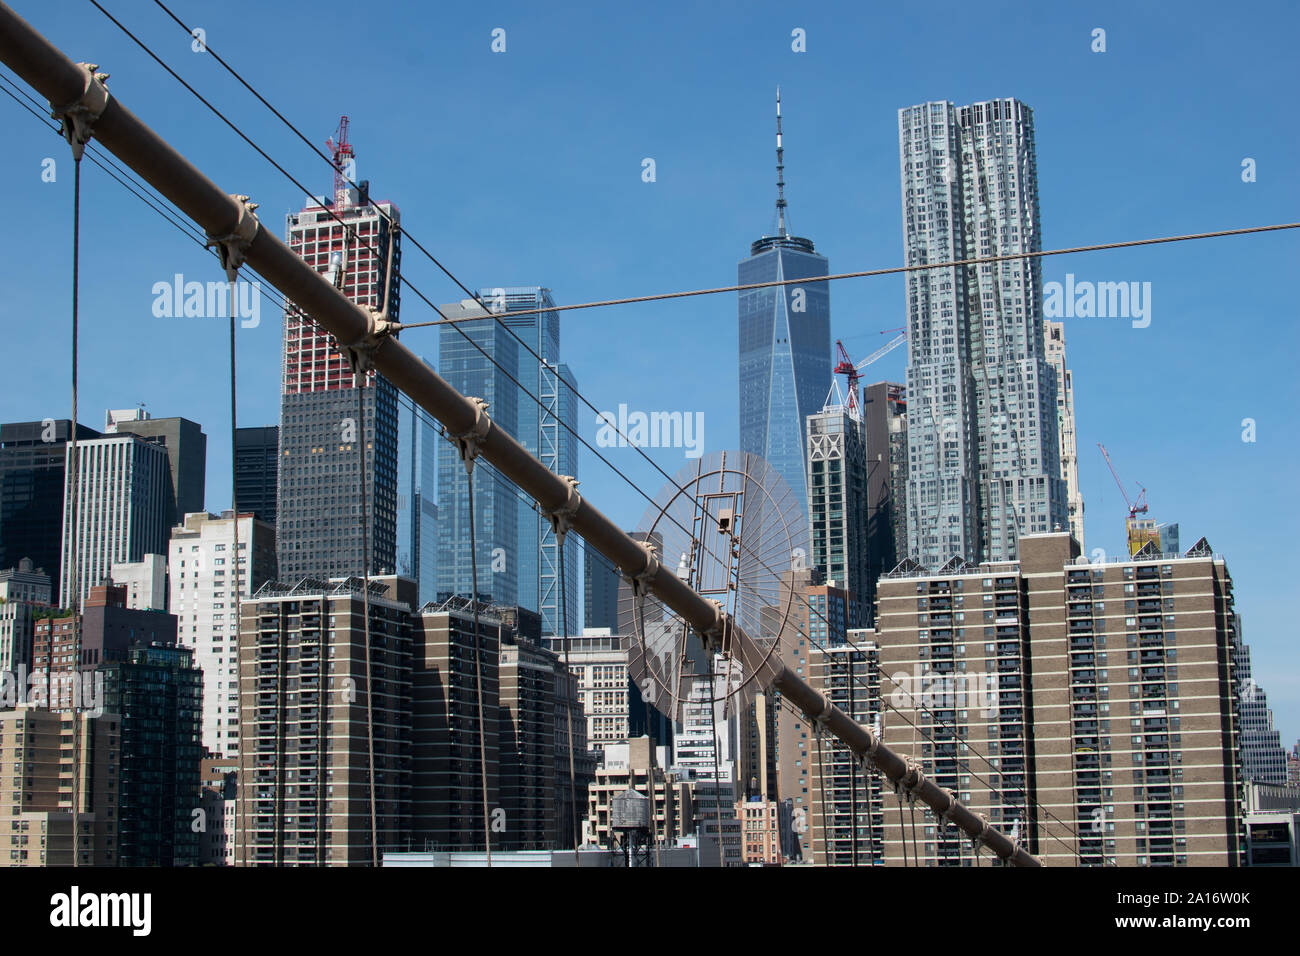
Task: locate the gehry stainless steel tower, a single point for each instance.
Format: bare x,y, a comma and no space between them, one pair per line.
983,456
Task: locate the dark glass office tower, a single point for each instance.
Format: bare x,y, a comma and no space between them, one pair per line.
257,467
32,456
785,343
600,580
158,692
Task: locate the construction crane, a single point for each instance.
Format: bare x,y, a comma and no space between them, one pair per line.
846,368
1136,532
342,155
1135,508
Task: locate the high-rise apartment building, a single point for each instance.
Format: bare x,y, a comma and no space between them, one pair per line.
818,618
121,487
531,556
884,417
257,471
847,819
326,416
157,693
837,504
38,761
1054,348
785,343
448,782
32,459
187,459
983,448
305,689
527,744
201,560
539,714
1090,710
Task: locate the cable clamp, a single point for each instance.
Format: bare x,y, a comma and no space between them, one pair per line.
985,829
823,717
78,117
232,247
912,780
716,637
361,353
641,580
470,443
562,517
953,802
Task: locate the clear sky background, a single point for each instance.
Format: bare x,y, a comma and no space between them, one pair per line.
524,168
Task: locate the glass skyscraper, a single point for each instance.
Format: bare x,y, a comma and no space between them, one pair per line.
785,344
496,501
522,564
983,455
545,435
417,508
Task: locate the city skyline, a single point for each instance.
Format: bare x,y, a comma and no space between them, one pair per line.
1094,343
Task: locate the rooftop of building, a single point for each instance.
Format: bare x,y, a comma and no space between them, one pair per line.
795,243
958,567
332,587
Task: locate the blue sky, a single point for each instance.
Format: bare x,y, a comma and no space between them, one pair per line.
524,167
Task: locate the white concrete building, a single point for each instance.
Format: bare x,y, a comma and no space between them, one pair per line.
120,485
599,661
145,582
202,597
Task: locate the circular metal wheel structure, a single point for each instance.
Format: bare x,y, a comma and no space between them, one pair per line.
731,528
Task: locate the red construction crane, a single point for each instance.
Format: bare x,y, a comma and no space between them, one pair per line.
846,367
1135,508
341,152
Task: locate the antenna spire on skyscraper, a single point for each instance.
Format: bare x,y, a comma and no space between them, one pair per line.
780,171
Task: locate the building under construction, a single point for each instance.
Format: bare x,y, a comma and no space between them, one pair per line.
323,425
